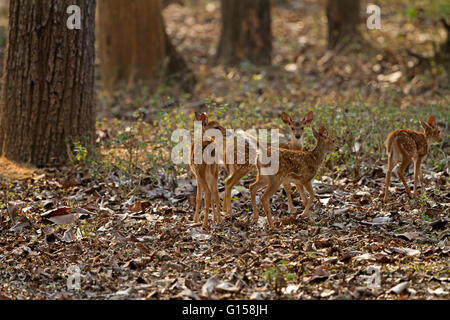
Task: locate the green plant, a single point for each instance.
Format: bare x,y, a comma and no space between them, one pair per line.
278,276
411,12
85,230
423,199
80,152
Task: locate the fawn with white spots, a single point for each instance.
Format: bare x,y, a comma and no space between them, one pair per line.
207,175
296,167
405,145
240,170
297,128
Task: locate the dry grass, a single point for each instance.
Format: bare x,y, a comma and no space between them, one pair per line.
10,171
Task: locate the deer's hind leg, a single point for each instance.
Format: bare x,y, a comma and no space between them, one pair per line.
198,199
418,175
230,183
207,205
202,187
216,205
260,183
213,180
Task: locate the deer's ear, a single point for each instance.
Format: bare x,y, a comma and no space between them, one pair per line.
308,118
201,116
286,118
425,125
315,133
432,121
323,132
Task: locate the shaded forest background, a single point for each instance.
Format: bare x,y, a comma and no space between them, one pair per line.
405,64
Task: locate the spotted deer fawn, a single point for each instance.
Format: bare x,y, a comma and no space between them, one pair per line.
405,145
234,168
297,128
296,167
207,175
238,171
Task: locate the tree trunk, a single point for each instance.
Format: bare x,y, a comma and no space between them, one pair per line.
133,44
48,83
343,22
246,32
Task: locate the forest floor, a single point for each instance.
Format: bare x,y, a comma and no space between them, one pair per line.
121,216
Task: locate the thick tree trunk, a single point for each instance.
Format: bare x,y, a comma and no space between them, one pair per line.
343,22
48,83
133,44
246,32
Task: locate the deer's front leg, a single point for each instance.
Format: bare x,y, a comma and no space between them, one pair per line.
254,188
391,165
418,175
302,193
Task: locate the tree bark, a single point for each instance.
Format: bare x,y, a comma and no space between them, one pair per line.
343,22
133,44
48,96
246,32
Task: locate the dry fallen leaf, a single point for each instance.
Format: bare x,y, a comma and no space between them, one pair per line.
407,251
398,289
